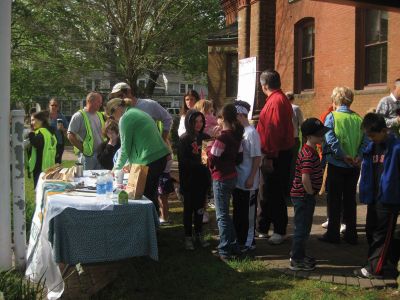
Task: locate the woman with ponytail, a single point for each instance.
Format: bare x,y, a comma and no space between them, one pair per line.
223,156
43,142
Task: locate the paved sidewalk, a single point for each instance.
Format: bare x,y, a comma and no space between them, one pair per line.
335,262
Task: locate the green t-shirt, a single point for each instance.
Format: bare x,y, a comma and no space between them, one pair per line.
141,142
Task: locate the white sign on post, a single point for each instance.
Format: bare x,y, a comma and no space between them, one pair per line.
247,81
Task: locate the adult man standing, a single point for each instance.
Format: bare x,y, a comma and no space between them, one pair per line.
276,135
85,131
389,107
156,111
59,124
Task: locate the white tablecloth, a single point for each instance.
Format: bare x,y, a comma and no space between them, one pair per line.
40,262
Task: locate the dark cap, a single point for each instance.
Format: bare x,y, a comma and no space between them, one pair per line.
313,126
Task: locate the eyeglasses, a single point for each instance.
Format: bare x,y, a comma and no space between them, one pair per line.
54,105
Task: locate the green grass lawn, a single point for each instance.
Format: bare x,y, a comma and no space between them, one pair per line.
180,274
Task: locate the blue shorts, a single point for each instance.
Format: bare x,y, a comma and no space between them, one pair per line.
165,184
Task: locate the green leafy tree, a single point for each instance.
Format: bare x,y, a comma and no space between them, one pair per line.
53,46
56,43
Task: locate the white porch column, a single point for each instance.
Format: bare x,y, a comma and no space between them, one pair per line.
5,57
18,187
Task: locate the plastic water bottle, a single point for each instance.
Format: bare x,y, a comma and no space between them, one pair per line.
109,185
101,187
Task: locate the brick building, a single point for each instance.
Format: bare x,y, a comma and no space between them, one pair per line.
314,44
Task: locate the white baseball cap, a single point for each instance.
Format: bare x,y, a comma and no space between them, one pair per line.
120,86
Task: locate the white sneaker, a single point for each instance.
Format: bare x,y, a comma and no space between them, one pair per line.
189,243
342,228
276,239
262,235
206,217
325,224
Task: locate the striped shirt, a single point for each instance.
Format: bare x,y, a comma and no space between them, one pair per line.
307,163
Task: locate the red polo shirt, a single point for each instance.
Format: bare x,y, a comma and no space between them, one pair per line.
275,125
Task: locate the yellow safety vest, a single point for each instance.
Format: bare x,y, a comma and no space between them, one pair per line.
88,142
49,150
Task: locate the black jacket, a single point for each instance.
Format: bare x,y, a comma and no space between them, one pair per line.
193,175
106,154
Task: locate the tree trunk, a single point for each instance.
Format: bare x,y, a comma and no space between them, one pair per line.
132,81
151,84
112,58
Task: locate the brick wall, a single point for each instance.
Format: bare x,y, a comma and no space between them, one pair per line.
266,30
335,32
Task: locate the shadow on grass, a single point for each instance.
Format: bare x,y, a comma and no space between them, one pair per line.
180,274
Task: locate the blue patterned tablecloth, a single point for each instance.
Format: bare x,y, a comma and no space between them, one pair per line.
81,236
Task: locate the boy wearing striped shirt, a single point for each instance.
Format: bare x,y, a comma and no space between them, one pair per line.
306,184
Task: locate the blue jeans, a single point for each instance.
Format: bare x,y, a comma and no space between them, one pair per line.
227,236
303,217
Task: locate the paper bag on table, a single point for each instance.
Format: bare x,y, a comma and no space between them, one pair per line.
137,181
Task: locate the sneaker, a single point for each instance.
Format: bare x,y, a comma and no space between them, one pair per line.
263,235
206,217
310,260
189,243
225,258
325,224
203,243
300,265
342,228
245,249
211,205
364,273
164,222
276,239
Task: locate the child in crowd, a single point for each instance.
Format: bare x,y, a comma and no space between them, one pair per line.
194,177
245,193
111,146
213,129
380,189
189,100
165,187
206,108
306,184
223,156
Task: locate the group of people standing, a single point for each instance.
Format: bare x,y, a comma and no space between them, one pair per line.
260,168
350,143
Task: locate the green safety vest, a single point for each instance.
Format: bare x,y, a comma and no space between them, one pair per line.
160,126
88,142
49,150
347,128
